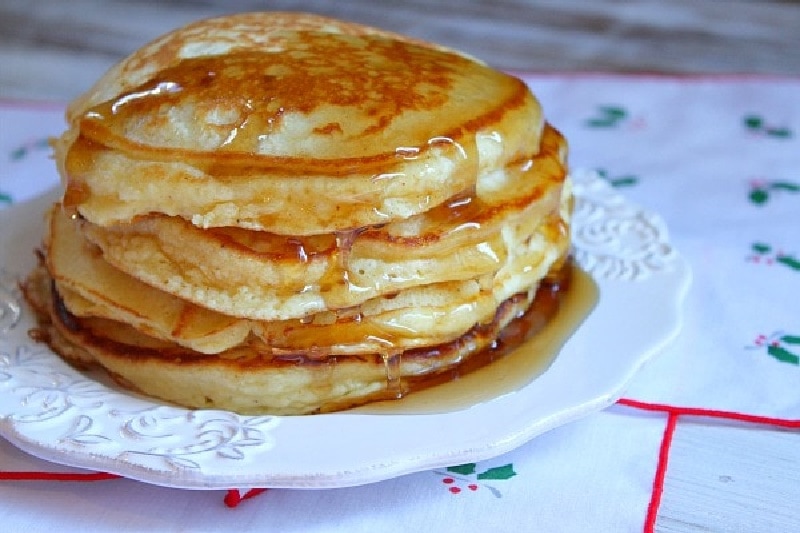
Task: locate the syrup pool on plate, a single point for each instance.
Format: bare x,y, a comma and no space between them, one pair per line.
525,350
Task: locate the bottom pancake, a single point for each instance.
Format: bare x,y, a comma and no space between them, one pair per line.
249,379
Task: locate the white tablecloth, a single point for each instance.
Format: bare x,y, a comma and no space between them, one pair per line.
717,158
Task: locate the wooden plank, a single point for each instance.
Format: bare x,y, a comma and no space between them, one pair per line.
81,38
724,478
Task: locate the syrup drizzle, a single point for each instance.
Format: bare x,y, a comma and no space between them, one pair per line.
260,100
523,351
336,285
396,387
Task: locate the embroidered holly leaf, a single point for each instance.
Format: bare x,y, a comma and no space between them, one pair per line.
499,472
5,198
789,261
760,193
759,196
785,186
465,469
761,248
618,181
609,116
600,123
613,111
753,122
623,181
21,152
781,133
790,339
756,123
18,153
783,355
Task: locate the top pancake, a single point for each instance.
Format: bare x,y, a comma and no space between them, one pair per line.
293,124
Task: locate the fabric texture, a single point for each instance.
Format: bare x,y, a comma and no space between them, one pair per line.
717,158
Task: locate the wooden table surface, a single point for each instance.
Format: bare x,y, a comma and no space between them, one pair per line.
53,49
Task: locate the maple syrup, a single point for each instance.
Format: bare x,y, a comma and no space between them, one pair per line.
524,351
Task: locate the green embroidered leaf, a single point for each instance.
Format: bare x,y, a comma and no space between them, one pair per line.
499,472
23,151
761,248
756,123
785,186
18,153
789,261
753,122
612,111
783,355
791,339
759,196
619,181
465,469
781,133
5,198
623,181
601,123
610,115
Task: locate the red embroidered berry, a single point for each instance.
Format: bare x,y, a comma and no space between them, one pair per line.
455,490
448,480
473,487
638,123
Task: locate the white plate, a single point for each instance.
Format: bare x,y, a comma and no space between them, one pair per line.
56,413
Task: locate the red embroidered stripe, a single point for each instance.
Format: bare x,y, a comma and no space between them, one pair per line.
56,476
673,413
712,413
232,498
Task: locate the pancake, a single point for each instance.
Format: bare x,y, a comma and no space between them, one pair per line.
88,286
266,276
420,316
247,379
211,122
288,214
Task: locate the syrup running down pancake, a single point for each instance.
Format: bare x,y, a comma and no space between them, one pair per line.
284,213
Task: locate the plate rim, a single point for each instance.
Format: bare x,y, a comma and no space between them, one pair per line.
476,448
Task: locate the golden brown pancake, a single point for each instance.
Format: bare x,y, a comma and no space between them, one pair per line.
248,379
266,276
254,134
283,213
417,317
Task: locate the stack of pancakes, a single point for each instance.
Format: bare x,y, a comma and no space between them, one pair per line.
284,213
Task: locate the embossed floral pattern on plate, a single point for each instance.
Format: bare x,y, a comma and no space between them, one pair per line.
614,239
81,419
